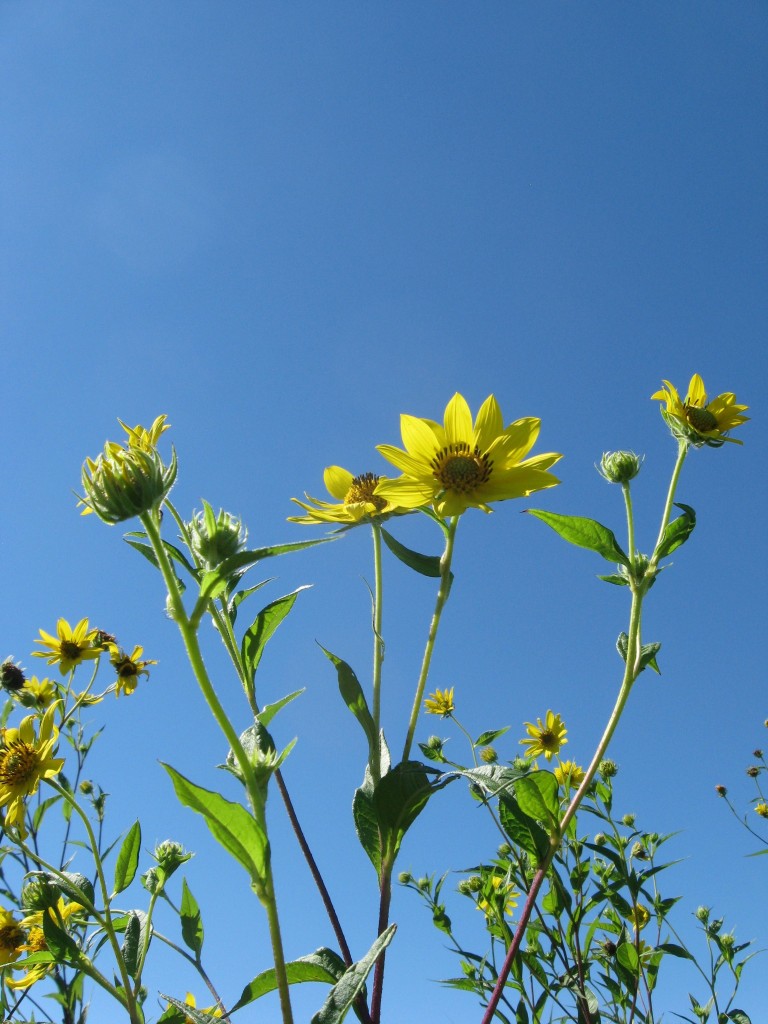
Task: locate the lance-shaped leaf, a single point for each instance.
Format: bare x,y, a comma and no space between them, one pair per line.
584,533
323,965
262,628
77,886
352,694
350,985
192,931
128,858
427,565
523,829
190,1013
231,824
677,532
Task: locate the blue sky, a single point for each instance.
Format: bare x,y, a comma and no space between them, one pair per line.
283,225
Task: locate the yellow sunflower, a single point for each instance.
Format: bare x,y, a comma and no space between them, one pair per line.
570,773
440,703
215,1011
545,737
462,464
128,668
356,502
500,897
39,693
35,943
695,419
24,760
12,937
70,647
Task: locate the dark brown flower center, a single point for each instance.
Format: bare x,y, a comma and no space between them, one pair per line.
70,650
701,419
548,740
460,468
361,491
127,668
11,937
18,764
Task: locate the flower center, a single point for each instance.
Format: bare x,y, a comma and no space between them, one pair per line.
701,419
70,650
127,668
461,468
18,764
361,492
548,741
11,937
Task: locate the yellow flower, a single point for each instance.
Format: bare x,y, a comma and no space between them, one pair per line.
440,703
462,464
35,944
70,647
128,668
545,738
12,937
570,773
140,437
697,421
762,809
24,761
500,897
38,693
639,917
356,500
190,1001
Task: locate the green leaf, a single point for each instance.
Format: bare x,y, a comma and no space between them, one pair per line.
131,943
674,950
627,956
677,532
269,711
63,947
141,545
399,799
352,694
241,595
236,564
488,737
350,985
262,628
616,579
191,920
522,830
537,796
738,1017
322,965
427,565
190,1013
584,533
230,823
78,887
367,826
647,657
128,858
211,585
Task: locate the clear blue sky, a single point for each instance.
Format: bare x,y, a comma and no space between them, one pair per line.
283,224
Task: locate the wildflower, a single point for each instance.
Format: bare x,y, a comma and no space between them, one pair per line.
639,916
499,897
128,668
697,421
753,771
488,755
24,761
70,647
357,500
757,753
215,538
440,703
570,773
61,914
762,809
545,738
620,467
12,937
190,1001
462,464
141,438
11,676
38,693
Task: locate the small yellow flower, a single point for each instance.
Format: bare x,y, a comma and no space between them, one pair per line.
141,437
190,1001
24,761
464,464
500,897
545,738
38,693
128,668
70,647
356,502
762,809
34,972
12,937
440,703
695,419
639,917
569,773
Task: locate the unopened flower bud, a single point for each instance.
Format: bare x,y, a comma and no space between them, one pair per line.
503,851
215,538
39,894
757,753
728,941
753,771
609,947
607,768
475,883
702,914
620,467
424,884
629,820
488,755
405,877
601,839
86,787
721,790
170,856
638,851
126,482
464,887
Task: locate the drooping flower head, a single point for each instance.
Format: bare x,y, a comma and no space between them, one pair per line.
70,647
25,759
129,667
440,703
545,737
12,937
697,421
463,464
357,500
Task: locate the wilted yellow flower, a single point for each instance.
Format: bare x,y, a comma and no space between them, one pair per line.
36,943
462,464
569,772
356,502
697,421
128,668
70,647
440,703
501,897
545,738
12,937
24,760
639,917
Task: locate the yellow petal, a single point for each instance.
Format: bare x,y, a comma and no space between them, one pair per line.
337,481
696,396
489,423
458,421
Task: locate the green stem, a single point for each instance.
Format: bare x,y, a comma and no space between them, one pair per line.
682,451
378,647
442,597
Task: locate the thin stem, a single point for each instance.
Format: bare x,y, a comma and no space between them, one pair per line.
442,597
378,648
378,974
682,451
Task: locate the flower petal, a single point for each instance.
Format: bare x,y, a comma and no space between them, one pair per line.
458,421
337,481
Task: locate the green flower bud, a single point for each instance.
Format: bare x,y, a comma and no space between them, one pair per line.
425,884
434,743
504,851
126,482
488,755
405,877
620,467
213,539
608,769
152,881
629,820
727,941
39,894
170,856
702,914
638,851
12,676
86,787
475,883
464,887
601,839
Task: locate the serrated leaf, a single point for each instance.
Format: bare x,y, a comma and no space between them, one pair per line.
191,920
427,565
230,823
323,965
584,533
350,985
677,532
128,858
